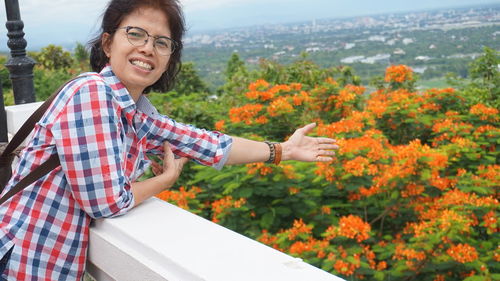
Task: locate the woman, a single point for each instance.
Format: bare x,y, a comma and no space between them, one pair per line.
101,126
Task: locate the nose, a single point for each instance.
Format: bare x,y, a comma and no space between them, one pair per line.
148,47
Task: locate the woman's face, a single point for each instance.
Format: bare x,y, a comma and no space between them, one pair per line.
137,67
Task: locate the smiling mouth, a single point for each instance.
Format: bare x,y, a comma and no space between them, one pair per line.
141,64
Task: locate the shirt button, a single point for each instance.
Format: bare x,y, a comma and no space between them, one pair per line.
129,156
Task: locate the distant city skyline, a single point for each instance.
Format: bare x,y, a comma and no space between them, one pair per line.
65,22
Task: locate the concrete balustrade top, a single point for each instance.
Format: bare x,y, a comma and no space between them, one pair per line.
18,114
160,241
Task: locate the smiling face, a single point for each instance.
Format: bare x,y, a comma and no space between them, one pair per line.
137,67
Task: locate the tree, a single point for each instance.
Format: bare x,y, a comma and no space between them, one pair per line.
81,55
486,66
188,81
53,57
234,65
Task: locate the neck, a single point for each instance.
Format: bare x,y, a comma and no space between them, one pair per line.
135,95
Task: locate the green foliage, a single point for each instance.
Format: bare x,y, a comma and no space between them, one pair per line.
484,85
188,82
194,108
53,58
81,57
234,65
412,193
6,83
47,81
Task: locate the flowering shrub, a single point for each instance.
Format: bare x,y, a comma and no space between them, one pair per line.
411,195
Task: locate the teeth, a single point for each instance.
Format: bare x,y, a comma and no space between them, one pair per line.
142,64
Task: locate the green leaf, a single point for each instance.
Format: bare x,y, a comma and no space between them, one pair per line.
284,211
230,187
379,275
476,278
245,192
267,220
425,175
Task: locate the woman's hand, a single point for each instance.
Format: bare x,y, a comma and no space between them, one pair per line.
171,168
309,149
166,176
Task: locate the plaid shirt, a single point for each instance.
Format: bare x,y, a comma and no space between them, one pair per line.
101,137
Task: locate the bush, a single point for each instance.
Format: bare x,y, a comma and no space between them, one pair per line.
411,195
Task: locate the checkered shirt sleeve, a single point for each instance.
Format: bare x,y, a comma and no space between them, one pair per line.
86,131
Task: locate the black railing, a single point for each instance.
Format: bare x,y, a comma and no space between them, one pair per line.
20,66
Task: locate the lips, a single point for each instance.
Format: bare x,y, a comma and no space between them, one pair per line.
142,64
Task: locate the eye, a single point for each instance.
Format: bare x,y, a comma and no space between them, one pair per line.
163,43
136,33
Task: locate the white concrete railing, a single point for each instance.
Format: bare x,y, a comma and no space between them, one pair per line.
159,241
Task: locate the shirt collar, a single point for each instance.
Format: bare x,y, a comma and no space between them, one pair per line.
119,91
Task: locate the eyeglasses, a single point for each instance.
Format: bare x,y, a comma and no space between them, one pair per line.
139,37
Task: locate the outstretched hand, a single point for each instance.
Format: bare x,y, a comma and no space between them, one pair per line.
308,149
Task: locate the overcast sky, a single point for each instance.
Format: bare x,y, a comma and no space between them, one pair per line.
67,21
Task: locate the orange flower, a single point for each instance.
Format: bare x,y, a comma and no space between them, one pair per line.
462,253
412,189
491,172
381,265
293,190
296,86
219,125
345,268
222,205
356,166
270,240
402,253
279,107
299,227
179,197
326,170
439,277
244,113
398,73
258,85
326,210
484,112
342,126
331,81
354,227
288,171
261,120
490,221
259,167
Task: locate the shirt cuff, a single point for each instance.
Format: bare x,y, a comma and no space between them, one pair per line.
219,165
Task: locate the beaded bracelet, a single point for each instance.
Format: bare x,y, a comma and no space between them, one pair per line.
275,153
272,153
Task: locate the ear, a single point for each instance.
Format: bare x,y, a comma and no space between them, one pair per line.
106,43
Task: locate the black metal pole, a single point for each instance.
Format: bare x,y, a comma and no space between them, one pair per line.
20,66
3,118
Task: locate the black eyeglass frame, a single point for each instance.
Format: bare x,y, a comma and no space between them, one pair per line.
174,43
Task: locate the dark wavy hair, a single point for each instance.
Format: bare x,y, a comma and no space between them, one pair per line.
117,10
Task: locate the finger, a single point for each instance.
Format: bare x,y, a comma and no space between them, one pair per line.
326,153
324,159
326,140
182,160
168,156
157,168
328,146
308,128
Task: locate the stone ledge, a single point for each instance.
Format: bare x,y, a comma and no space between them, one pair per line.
159,241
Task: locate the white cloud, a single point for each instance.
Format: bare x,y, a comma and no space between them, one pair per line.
200,5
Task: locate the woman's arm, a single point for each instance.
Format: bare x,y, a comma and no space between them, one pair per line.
298,147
